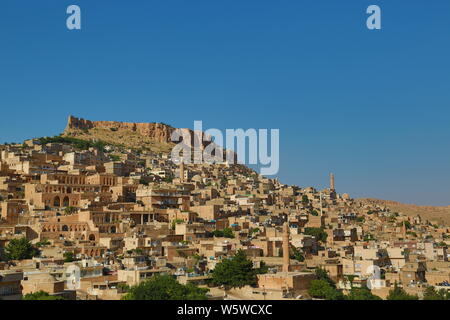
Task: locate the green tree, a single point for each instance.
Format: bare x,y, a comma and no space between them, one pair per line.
70,210
431,294
20,249
44,242
318,233
217,233
69,256
408,225
321,289
227,233
305,199
322,274
41,295
361,294
165,288
263,268
235,272
123,287
297,255
77,143
399,294
114,157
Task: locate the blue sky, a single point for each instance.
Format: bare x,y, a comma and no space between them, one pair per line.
370,106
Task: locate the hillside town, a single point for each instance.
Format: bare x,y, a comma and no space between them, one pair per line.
120,216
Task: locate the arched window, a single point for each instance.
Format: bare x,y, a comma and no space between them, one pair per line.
57,202
66,202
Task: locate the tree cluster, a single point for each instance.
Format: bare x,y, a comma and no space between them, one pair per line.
165,287
21,249
237,272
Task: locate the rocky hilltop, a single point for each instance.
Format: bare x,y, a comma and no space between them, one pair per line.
150,136
157,132
432,213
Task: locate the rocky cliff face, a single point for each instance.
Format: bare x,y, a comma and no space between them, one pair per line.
157,132
154,136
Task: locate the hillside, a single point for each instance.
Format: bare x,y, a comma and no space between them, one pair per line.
431,213
154,137
148,136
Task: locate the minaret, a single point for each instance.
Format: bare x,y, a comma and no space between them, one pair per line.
182,171
286,259
332,190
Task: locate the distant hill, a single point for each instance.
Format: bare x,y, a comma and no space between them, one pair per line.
150,136
431,213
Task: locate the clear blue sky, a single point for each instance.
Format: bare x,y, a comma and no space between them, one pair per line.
371,106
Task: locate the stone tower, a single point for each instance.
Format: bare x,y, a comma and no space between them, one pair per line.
182,171
332,181
286,259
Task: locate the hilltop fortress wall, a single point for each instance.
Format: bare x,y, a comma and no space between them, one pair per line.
158,132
